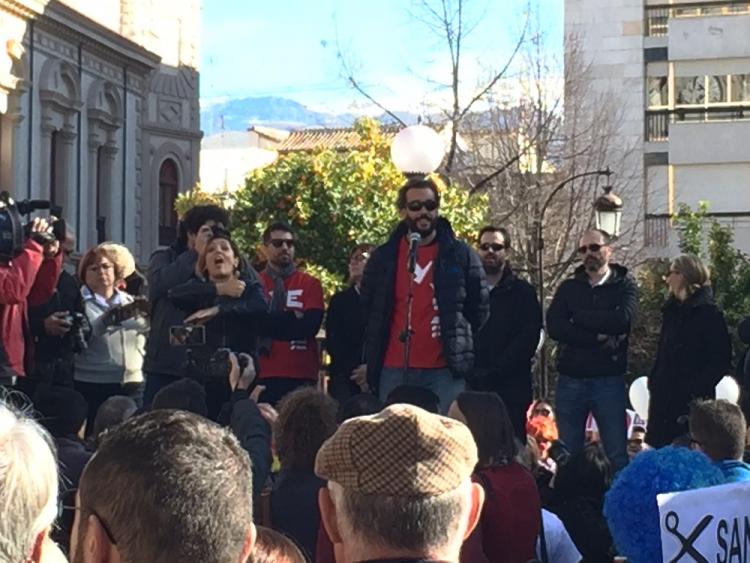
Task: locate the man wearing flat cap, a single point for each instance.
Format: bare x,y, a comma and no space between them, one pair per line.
399,487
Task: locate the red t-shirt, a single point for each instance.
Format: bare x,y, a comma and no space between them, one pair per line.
426,347
299,358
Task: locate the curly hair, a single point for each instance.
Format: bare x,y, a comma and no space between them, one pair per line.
630,505
307,418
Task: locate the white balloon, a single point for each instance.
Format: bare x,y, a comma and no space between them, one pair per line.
728,389
417,149
639,396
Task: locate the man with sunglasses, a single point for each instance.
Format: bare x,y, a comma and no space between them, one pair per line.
50,323
590,317
449,301
288,350
507,342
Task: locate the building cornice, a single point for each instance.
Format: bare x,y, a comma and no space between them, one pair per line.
77,28
175,132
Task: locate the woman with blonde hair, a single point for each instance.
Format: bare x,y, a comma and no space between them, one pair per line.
112,362
694,351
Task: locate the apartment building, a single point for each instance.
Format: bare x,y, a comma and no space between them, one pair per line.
681,74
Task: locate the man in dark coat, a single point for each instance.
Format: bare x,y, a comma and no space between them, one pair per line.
449,301
167,268
508,340
590,317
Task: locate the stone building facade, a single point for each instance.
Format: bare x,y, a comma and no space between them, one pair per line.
99,113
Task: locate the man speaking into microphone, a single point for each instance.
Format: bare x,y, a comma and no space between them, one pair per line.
424,298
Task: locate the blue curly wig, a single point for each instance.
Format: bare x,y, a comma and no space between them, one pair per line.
630,505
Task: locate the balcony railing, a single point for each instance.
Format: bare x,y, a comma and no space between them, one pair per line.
657,17
657,121
657,230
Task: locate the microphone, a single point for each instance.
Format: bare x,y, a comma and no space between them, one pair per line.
28,205
414,239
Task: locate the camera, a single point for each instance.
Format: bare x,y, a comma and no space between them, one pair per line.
187,335
13,233
218,365
79,326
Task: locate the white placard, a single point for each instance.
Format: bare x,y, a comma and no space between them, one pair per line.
710,525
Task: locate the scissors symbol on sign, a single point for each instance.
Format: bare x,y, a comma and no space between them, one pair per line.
672,522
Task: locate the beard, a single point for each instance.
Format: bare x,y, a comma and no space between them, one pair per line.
593,263
493,267
413,225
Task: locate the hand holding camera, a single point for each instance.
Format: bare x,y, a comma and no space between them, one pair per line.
242,371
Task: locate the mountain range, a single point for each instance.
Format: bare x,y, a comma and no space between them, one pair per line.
281,113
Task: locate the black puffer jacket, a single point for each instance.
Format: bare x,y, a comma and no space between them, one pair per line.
694,353
460,288
579,313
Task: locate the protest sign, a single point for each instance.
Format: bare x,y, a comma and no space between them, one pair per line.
706,525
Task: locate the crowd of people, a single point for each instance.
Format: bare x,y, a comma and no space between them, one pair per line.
181,415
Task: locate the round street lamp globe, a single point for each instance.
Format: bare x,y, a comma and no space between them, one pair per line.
417,149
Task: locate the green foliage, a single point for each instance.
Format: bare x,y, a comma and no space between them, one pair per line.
730,280
335,200
196,196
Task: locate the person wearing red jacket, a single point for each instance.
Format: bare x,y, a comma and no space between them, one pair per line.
29,278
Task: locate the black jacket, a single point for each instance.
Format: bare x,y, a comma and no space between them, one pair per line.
508,340
460,289
167,268
254,434
579,313
694,353
294,508
67,297
237,324
345,329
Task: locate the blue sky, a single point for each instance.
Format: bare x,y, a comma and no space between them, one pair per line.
288,48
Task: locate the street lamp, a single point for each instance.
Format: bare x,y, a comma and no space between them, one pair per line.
608,216
417,151
608,212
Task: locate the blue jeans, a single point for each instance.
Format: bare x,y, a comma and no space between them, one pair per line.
604,397
440,381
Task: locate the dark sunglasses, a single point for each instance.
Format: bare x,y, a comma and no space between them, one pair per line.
494,247
279,242
429,205
590,248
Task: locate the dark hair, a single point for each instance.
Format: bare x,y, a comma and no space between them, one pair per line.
184,394
719,427
359,405
492,229
363,247
489,422
417,183
223,234
587,473
112,412
188,472
414,395
307,418
63,410
274,547
198,216
276,226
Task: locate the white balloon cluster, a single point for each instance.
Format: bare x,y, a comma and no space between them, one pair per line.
726,389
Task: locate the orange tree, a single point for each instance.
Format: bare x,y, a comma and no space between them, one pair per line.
335,200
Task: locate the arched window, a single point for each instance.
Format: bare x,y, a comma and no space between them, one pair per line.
168,190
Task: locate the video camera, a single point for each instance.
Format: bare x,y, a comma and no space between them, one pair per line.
202,365
13,232
79,326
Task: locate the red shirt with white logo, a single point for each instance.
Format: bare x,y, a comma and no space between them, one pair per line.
426,350
297,359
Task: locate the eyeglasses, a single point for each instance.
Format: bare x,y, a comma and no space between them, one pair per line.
590,248
428,204
67,502
279,242
542,412
494,247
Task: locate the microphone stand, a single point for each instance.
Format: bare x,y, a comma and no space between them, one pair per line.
408,331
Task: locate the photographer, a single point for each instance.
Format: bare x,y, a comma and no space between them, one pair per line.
112,363
54,327
167,268
226,297
26,278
